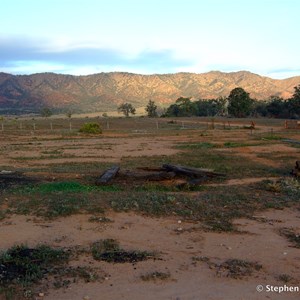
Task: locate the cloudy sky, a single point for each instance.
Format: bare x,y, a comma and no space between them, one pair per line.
150,36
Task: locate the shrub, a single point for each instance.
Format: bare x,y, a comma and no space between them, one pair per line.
93,128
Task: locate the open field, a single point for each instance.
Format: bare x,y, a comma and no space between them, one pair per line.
142,239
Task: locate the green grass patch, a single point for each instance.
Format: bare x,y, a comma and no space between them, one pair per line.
65,187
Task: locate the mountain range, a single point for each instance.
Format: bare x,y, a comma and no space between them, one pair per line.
105,91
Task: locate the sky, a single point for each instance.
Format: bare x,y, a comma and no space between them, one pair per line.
81,37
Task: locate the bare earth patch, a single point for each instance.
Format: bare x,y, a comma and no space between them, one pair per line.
260,243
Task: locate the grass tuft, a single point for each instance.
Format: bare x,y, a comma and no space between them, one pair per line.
109,250
237,268
291,235
23,265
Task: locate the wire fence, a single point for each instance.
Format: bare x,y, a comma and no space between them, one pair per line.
137,125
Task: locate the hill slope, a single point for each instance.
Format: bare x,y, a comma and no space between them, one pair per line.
105,91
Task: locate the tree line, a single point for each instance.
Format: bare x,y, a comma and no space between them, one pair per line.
238,104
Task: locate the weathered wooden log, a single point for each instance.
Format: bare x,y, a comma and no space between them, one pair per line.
108,175
191,172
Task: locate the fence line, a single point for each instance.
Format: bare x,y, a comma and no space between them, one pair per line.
133,124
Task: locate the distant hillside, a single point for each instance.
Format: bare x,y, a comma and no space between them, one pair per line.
105,91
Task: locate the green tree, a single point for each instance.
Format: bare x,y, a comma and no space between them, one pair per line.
126,109
211,107
172,111
296,95
221,103
46,112
259,108
277,107
239,103
294,103
151,109
186,107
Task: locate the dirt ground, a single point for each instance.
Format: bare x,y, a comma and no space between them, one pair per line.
192,256
178,242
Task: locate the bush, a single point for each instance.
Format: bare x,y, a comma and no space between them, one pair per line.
93,128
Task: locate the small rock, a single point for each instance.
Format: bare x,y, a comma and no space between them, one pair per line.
41,294
179,221
86,298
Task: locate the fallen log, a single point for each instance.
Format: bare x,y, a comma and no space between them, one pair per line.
192,172
108,175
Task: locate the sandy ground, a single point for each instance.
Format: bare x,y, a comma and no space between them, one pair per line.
177,244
